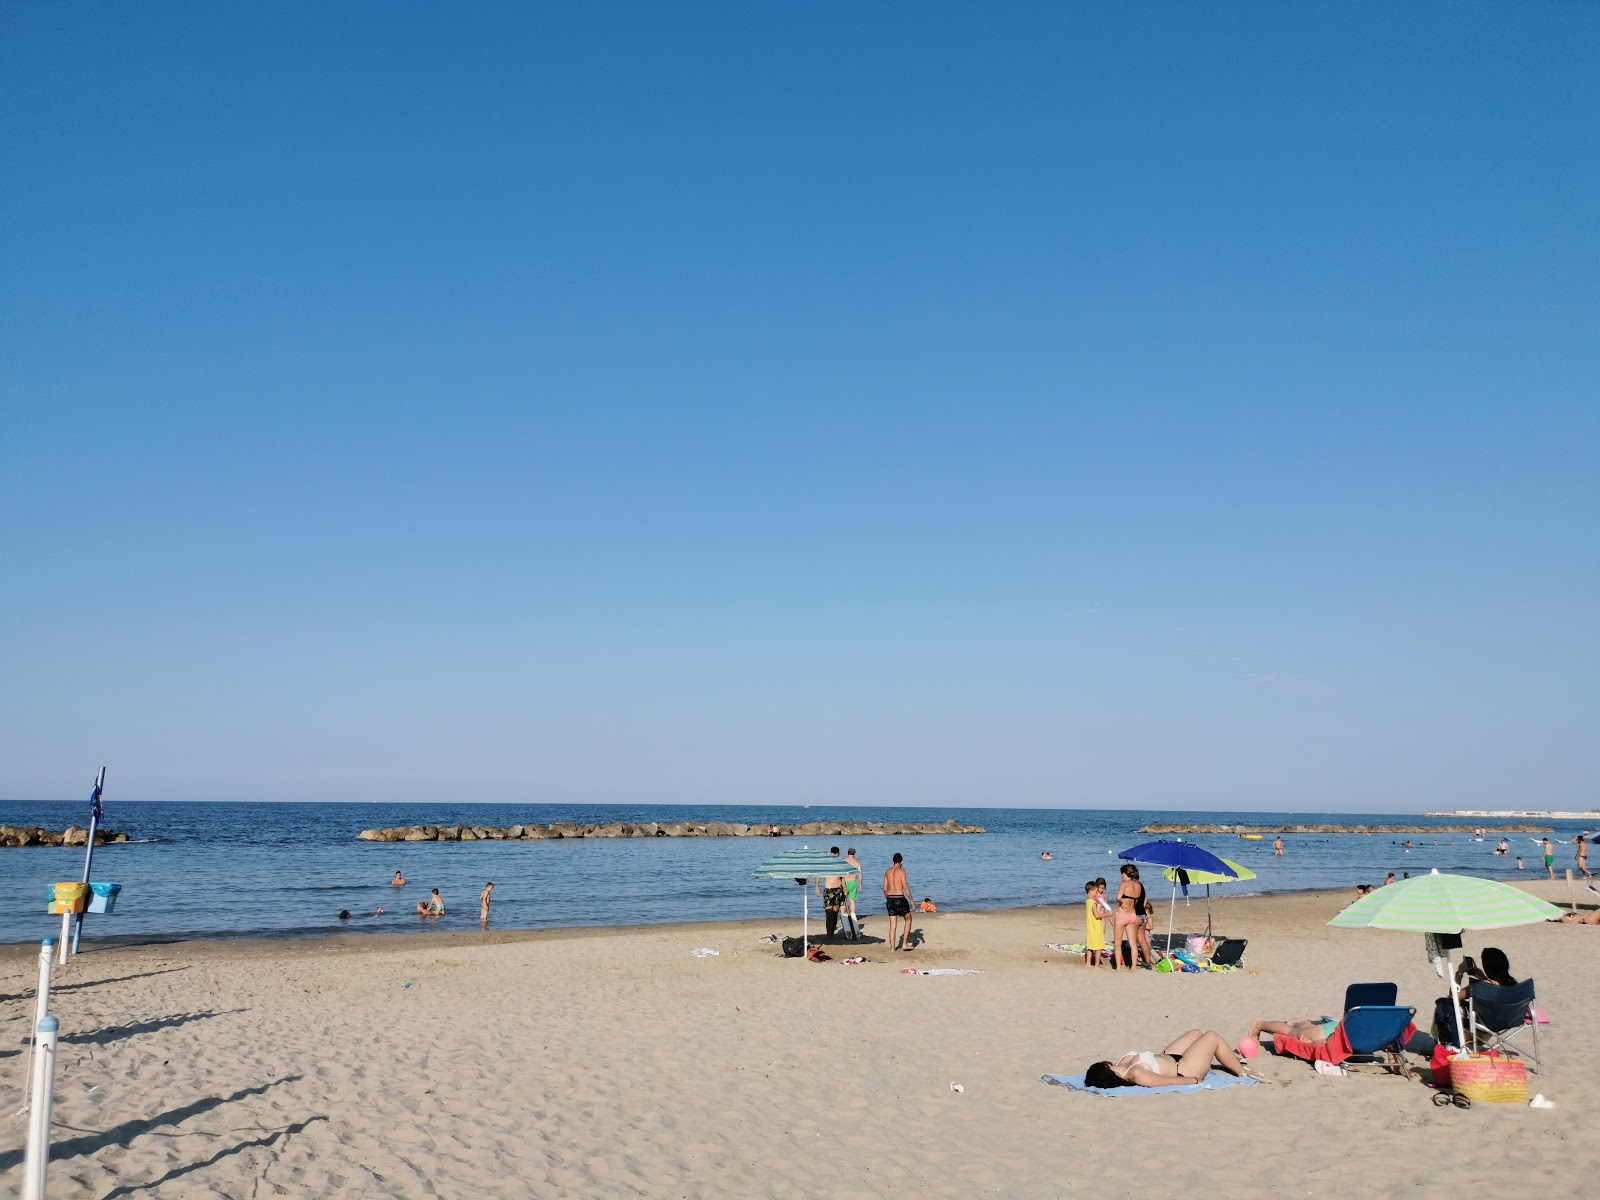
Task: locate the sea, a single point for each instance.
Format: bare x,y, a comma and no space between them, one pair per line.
226,870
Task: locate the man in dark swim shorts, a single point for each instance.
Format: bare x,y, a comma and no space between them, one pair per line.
897,902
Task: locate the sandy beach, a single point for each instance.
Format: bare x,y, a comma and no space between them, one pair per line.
614,1063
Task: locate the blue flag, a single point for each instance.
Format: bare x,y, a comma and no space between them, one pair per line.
95,811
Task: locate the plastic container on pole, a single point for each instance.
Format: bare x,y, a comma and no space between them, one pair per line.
36,1170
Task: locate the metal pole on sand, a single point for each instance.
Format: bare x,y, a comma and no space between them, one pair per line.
88,853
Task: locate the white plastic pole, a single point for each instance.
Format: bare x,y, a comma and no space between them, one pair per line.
41,1008
37,1167
66,935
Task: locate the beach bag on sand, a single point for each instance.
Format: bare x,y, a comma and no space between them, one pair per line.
1489,1079
794,947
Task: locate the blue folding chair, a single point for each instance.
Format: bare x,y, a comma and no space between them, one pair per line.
1376,1033
1498,1014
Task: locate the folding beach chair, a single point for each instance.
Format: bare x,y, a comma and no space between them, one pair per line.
1363,995
1228,952
1498,1014
1372,1033
1377,1033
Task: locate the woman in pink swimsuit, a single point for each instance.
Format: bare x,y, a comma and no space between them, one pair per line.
1130,894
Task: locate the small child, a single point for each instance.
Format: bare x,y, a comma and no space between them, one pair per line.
1107,916
1096,927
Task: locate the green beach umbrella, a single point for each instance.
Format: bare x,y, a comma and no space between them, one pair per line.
1438,903
1208,878
803,865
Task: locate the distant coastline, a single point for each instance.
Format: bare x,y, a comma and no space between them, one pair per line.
1520,813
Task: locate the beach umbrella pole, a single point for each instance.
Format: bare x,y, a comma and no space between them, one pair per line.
1172,915
805,921
1208,912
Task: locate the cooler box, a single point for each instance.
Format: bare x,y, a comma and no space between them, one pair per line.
68,898
103,897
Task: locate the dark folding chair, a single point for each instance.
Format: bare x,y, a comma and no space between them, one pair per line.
1376,1032
1228,952
1498,1014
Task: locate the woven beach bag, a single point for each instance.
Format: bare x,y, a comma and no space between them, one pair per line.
1489,1080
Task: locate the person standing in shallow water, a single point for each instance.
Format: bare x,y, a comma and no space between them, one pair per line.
1549,856
1277,847
483,901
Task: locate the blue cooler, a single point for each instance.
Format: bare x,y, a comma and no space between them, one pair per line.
103,897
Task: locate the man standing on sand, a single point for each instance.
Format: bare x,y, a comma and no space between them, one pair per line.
897,901
1549,856
1581,844
1277,847
832,890
852,886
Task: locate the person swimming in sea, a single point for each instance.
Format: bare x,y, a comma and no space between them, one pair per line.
399,880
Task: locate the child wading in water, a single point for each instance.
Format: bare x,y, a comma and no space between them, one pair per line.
1096,929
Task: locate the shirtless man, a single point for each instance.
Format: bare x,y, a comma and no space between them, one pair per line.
1277,847
399,880
897,900
831,890
1549,857
483,901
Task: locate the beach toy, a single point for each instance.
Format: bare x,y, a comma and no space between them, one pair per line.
1248,1047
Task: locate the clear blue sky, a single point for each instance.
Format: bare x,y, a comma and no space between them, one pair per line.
1155,405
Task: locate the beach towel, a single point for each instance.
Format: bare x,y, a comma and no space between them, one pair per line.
1213,1082
940,971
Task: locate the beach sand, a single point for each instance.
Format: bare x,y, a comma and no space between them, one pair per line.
613,1063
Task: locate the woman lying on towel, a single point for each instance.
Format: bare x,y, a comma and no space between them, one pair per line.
1187,1060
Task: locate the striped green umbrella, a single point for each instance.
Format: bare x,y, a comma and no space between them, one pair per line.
1435,903
802,865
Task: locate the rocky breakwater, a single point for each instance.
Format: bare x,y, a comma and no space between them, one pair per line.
73,835
620,829
1163,827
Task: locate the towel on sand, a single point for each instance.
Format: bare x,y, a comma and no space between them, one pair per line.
1211,1083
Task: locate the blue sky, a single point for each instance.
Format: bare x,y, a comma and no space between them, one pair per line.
1179,406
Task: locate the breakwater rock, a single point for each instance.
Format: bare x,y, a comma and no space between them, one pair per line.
620,829
1164,827
73,835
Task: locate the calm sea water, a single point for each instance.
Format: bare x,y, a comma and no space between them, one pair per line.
232,870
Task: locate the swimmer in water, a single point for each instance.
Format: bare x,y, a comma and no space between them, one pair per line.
399,880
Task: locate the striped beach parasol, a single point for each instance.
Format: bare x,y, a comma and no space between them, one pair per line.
1443,903
803,865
